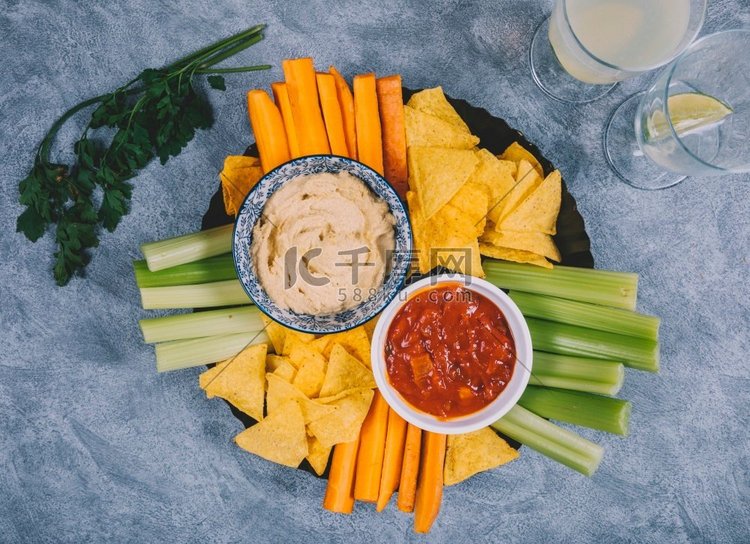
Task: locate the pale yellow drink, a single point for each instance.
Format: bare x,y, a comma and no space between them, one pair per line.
631,36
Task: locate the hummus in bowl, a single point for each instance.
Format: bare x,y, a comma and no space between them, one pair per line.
322,244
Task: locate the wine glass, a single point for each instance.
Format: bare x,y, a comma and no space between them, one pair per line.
694,120
585,47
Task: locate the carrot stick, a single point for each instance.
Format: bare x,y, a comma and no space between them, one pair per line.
391,105
340,491
367,121
370,457
392,459
281,96
407,489
268,128
303,96
430,488
346,101
329,101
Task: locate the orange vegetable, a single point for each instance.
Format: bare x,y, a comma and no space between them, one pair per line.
303,96
430,488
392,459
334,120
407,489
281,96
372,448
340,491
268,127
391,106
346,101
367,120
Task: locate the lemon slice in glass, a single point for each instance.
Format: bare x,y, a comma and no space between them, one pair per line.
689,112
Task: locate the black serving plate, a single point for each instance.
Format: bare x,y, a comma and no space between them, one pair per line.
495,135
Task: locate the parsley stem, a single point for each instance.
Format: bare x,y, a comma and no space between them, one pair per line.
231,51
210,49
237,70
43,151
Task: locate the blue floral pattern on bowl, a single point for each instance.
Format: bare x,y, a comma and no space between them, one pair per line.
251,211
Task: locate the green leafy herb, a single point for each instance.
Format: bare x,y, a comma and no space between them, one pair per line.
154,115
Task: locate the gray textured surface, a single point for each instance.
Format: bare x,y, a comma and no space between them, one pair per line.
95,446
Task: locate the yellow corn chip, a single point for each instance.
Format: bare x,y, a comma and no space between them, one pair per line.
310,376
515,255
280,438
433,101
437,173
469,454
355,341
538,213
344,424
339,396
317,455
516,152
240,380
239,175
423,129
280,392
527,180
535,242
467,210
276,332
275,361
344,372
293,338
369,328
285,371
497,177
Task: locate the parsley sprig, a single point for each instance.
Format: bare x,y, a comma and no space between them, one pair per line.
154,115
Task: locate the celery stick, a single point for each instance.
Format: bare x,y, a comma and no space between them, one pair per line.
584,409
616,289
188,248
577,373
559,444
202,351
564,339
584,314
202,295
200,324
217,268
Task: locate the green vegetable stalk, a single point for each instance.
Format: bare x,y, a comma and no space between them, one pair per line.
154,115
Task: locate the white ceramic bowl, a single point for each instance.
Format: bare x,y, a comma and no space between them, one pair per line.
490,413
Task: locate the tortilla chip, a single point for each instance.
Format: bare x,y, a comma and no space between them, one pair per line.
280,438
276,332
344,372
527,180
437,174
240,380
538,213
535,242
515,255
468,209
344,424
433,101
369,328
355,341
497,177
285,371
469,454
311,373
516,152
280,392
275,361
423,129
317,455
239,175
294,338
339,396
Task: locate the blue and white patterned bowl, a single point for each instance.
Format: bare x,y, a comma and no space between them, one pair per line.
250,213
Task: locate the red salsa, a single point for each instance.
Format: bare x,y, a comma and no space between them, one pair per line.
449,351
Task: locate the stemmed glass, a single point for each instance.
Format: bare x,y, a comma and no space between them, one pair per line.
694,120
586,46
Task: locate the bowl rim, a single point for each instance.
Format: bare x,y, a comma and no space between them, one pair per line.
494,410
405,225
